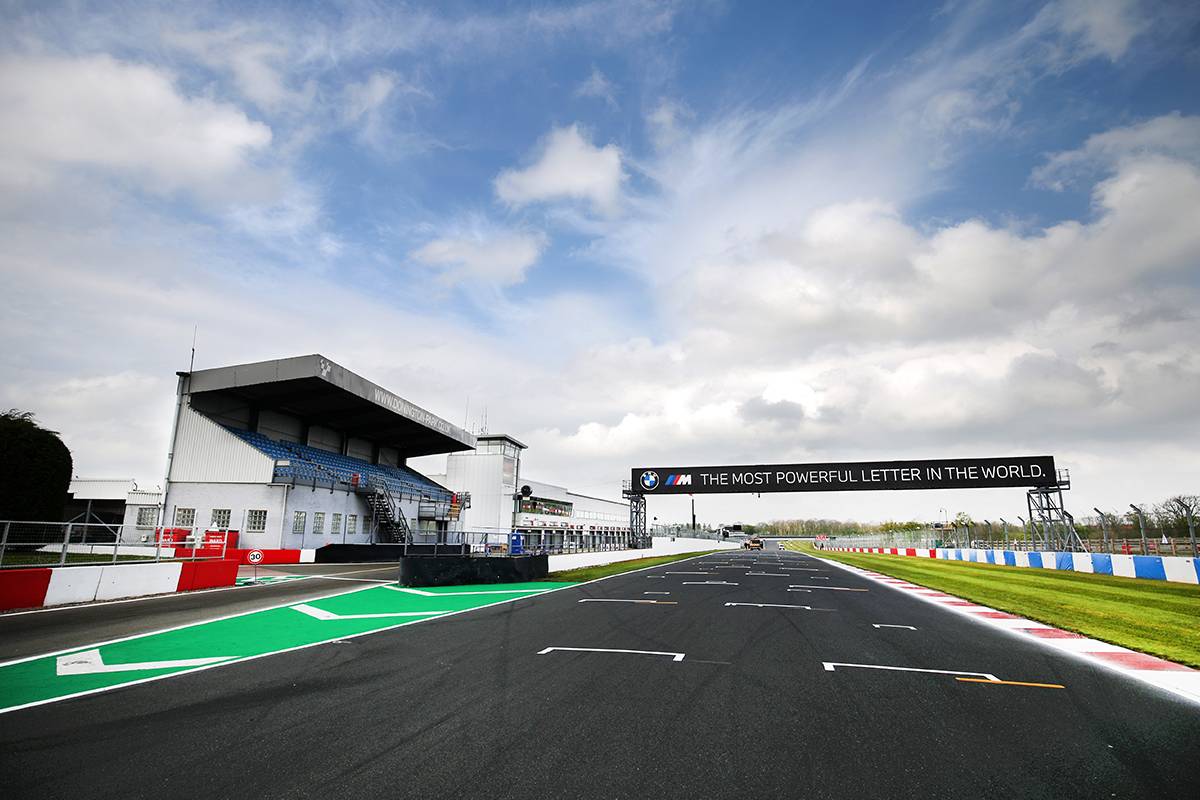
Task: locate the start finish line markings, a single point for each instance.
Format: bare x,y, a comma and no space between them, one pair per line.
102,666
674,656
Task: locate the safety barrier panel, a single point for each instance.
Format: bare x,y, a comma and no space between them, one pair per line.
1177,569
40,587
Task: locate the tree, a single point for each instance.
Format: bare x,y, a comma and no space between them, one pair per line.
35,471
963,520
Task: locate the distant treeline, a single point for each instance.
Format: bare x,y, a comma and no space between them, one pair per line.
1167,518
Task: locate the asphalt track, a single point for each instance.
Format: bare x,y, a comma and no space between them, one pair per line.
474,706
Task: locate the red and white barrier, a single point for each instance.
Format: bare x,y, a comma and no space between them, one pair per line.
56,586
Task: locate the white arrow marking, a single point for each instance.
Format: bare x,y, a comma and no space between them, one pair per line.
829,667
909,627
674,656
90,662
325,616
422,593
777,605
830,588
708,583
612,600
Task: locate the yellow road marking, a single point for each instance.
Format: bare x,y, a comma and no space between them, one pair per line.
1013,683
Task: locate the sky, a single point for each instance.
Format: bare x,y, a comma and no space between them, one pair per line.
630,232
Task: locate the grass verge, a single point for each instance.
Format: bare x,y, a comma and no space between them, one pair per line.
1155,617
580,574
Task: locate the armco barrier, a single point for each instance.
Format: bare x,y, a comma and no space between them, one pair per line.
56,586
1176,569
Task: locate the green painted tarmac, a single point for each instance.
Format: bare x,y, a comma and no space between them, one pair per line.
84,670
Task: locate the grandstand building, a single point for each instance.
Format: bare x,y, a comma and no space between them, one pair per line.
503,502
299,453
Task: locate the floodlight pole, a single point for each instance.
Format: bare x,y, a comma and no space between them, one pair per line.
1004,522
1187,512
1103,529
1141,528
1025,528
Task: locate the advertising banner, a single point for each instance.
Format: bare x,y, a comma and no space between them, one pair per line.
950,473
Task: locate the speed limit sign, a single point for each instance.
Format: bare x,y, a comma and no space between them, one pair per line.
254,556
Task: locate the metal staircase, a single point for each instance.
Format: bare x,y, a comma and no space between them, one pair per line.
1051,526
390,523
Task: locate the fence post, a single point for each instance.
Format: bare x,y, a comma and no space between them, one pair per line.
4,542
62,558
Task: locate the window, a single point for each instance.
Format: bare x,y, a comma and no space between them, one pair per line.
336,524
256,520
298,522
319,522
147,517
185,517
220,518
351,523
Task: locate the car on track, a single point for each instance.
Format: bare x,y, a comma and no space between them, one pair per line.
753,543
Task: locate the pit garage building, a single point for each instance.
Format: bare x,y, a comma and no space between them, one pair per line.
299,453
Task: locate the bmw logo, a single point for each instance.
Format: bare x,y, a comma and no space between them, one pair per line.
649,480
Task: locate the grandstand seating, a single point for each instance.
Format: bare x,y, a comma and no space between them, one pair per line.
304,464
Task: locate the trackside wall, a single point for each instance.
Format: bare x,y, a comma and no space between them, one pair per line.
1177,569
54,586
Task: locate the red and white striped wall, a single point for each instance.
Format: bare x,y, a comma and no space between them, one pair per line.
55,586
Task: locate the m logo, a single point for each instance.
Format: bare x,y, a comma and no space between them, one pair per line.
679,480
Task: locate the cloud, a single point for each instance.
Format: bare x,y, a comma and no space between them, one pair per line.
258,63
1103,27
600,87
1173,135
567,167
481,252
126,120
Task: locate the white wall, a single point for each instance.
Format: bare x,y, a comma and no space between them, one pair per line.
481,475
662,546
204,451
239,498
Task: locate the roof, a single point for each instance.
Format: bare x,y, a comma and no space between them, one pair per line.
324,393
501,437
100,488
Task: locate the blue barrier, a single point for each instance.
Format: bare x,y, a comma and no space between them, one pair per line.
1149,567
1035,559
1102,563
1010,558
991,556
1064,561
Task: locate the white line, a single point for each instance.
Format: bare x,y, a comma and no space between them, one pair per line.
708,583
778,605
800,590
343,637
830,588
655,592
91,662
612,600
407,590
322,614
674,656
909,627
829,667
689,573
769,574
